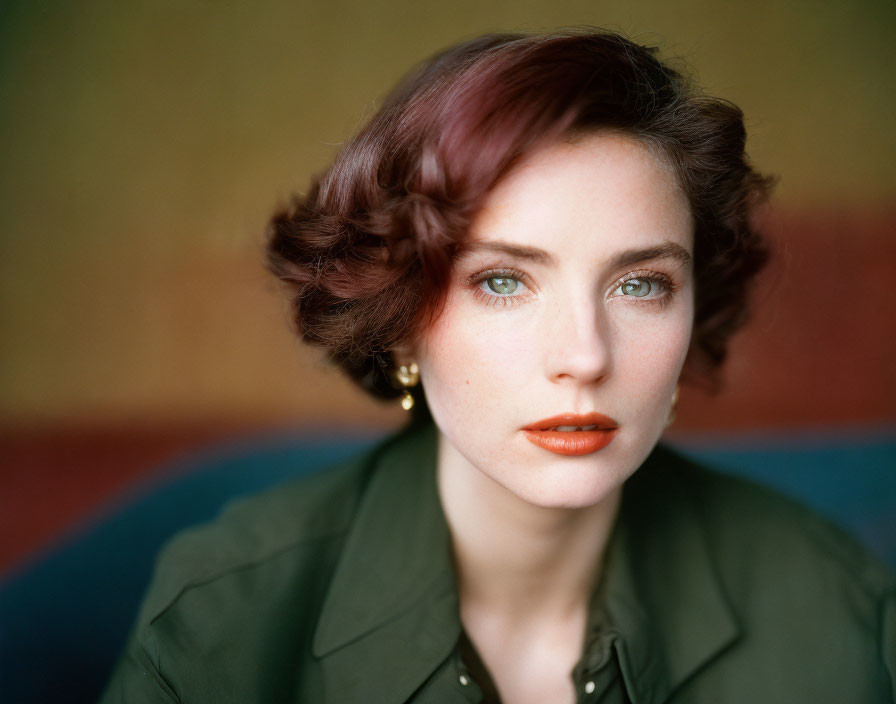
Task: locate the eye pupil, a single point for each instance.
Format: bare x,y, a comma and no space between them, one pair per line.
636,287
502,284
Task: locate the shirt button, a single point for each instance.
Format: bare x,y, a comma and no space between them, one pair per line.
464,680
589,687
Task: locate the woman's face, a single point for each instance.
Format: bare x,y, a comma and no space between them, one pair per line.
573,295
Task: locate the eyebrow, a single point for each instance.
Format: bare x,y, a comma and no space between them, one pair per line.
667,250
531,253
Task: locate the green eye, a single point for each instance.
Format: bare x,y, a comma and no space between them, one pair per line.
503,285
637,287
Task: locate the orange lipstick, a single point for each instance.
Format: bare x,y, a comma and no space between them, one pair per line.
572,433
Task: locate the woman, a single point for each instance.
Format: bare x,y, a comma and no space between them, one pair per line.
529,243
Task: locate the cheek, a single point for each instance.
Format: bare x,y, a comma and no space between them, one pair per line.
472,360
650,352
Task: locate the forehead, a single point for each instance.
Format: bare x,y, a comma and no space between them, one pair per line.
605,190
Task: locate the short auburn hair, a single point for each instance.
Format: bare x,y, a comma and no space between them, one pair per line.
367,252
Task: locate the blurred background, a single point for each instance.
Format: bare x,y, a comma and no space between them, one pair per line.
144,144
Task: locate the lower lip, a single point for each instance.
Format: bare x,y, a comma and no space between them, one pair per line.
573,442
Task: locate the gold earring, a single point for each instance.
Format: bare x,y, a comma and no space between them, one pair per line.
407,376
671,417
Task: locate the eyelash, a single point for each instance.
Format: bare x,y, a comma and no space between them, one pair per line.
669,288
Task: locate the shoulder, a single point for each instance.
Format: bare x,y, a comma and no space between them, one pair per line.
802,589
234,604
776,529
753,527
813,609
293,521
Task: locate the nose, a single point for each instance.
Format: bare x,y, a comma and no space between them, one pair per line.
579,343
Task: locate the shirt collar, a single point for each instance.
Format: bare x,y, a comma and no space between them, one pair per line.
390,616
663,592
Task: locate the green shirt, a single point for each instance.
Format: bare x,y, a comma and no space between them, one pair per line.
340,588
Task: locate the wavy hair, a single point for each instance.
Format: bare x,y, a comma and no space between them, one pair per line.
366,254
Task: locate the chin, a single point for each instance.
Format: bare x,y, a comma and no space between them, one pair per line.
569,486
565,501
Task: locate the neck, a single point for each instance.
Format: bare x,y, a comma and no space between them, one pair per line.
515,557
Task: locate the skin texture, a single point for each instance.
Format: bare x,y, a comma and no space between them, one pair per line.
565,340
562,334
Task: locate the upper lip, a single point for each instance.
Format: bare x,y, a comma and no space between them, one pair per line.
578,419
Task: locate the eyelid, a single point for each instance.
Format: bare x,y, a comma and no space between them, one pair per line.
509,272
